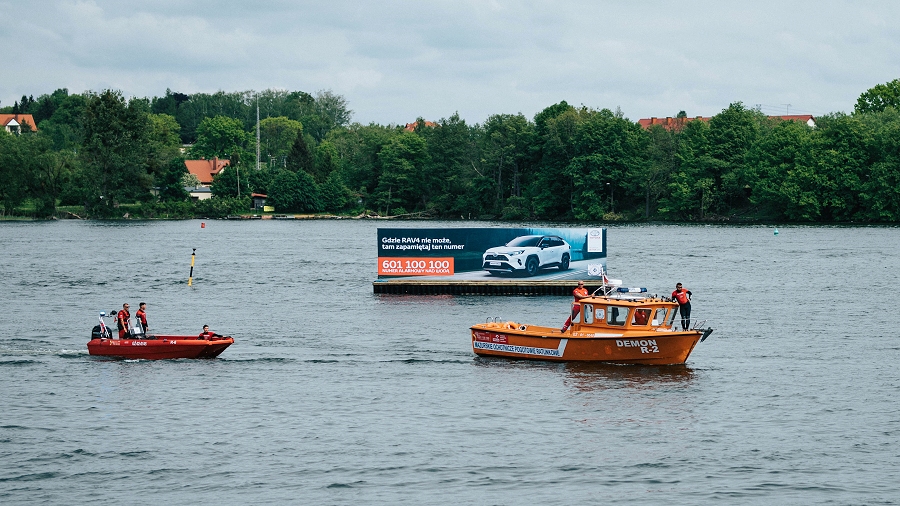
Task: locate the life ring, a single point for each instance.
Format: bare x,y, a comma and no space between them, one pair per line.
523,328
511,325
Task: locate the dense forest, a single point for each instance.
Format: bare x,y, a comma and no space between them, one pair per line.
104,156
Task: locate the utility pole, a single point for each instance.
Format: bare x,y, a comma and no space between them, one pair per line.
257,131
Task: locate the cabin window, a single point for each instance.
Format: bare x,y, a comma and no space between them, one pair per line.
588,311
616,315
659,317
641,316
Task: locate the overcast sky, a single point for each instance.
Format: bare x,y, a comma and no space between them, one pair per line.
395,61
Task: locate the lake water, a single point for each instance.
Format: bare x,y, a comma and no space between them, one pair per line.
334,395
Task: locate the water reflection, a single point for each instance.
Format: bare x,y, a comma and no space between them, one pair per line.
586,376
594,376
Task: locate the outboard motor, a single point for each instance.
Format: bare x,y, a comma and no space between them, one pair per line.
96,333
102,331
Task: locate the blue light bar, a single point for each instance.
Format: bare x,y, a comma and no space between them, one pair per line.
622,289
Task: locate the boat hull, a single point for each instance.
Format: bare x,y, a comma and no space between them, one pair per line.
162,347
544,343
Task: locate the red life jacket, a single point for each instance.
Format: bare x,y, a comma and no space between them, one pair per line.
122,319
579,292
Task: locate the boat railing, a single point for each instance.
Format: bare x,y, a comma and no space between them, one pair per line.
493,319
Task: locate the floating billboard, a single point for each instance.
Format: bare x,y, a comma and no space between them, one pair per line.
489,253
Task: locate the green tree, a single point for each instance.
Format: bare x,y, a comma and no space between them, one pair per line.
450,171
66,126
879,97
778,172
164,144
13,173
52,171
171,181
114,154
222,136
358,147
294,191
231,181
277,136
300,158
326,161
168,103
732,133
330,112
400,187
334,193
880,192
551,188
506,156
608,148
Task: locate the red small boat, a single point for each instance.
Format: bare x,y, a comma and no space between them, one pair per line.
155,347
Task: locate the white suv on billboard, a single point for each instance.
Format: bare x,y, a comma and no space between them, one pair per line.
527,254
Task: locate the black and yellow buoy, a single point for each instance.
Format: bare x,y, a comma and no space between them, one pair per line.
191,276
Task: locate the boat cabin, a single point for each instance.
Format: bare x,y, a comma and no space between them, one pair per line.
645,314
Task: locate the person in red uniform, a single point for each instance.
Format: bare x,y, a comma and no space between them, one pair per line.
141,315
579,293
641,316
122,321
206,334
683,297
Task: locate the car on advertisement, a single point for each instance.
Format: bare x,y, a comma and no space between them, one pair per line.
527,254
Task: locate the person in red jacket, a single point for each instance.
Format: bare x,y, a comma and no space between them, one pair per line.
122,321
579,293
206,334
683,297
141,315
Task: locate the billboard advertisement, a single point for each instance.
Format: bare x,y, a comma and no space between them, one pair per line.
491,253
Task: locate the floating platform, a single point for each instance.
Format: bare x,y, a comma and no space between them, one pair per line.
492,287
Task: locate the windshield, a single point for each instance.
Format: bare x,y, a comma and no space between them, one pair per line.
525,241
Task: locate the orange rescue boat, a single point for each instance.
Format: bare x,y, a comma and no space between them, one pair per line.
618,328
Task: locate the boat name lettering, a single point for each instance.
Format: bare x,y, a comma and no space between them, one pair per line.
139,343
523,350
646,345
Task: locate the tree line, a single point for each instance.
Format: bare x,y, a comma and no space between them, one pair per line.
100,151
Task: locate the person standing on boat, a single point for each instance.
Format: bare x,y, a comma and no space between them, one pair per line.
141,315
579,293
122,319
683,297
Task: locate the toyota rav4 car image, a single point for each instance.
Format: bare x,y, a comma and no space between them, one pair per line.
527,254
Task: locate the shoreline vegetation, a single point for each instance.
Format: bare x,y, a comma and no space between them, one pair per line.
104,156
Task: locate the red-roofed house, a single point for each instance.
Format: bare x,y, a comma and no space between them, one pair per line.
411,127
205,170
13,123
677,124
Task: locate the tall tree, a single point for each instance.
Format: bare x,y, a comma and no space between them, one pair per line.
300,159
401,187
114,153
